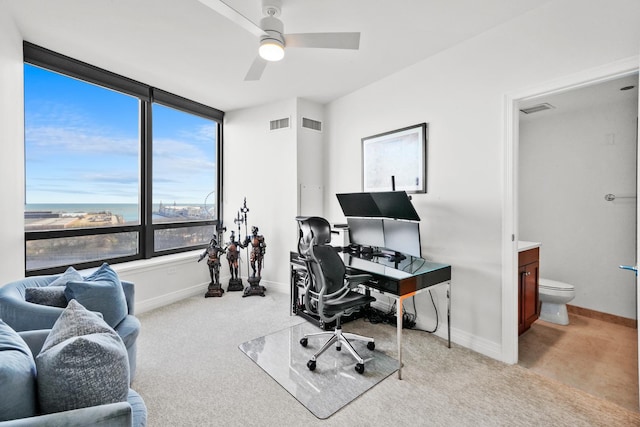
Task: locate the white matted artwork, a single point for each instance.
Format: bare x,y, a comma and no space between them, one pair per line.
401,154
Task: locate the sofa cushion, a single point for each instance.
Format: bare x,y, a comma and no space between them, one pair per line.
100,291
67,276
50,295
83,362
17,376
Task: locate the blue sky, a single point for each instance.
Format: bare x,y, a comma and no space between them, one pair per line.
82,145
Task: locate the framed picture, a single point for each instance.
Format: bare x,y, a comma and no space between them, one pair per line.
397,157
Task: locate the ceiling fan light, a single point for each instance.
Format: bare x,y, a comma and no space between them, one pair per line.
271,50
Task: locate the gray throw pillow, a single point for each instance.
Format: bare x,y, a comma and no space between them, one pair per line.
83,362
101,291
17,376
48,295
67,276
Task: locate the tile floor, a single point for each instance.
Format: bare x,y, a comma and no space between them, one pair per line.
598,357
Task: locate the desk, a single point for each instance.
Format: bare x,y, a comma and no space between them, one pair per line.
397,280
402,280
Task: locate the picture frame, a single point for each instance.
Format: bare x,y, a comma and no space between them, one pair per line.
396,158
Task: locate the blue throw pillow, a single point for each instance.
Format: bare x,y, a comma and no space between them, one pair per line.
17,376
83,362
67,276
101,291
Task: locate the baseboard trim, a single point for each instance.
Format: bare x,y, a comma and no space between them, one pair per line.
605,317
166,299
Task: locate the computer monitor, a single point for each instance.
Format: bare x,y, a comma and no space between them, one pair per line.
402,236
366,232
385,204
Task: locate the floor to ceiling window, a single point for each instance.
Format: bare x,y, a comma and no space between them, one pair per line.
115,170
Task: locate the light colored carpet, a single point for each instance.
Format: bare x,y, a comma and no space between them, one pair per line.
333,384
191,373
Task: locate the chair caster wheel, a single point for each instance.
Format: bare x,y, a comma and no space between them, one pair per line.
311,364
303,342
371,345
359,368
338,348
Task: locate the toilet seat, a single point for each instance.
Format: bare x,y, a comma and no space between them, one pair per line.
554,285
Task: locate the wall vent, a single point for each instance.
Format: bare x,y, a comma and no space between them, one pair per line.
537,108
279,124
311,124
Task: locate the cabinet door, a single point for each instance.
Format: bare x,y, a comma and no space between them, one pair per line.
530,294
521,278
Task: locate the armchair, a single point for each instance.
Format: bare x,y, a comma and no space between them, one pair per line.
329,291
133,412
22,315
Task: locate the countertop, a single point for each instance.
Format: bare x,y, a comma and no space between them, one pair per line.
525,246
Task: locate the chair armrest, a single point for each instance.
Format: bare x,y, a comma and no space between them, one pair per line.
109,415
357,279
25,316
130,295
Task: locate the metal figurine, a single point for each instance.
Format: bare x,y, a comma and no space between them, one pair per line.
233,255
258,248
244,209
212,253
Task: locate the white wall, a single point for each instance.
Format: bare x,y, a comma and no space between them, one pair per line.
261,165
460,93
310,160
12,158
568,162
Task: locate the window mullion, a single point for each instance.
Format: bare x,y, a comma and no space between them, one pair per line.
146,169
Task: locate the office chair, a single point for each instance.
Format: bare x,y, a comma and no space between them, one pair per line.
328,291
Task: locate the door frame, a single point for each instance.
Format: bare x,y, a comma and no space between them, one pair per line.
510,214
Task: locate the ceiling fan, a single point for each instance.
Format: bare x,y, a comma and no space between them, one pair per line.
273,40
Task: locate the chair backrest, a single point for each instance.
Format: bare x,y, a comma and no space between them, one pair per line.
312,228
325,267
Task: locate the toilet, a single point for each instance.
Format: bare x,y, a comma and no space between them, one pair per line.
554,297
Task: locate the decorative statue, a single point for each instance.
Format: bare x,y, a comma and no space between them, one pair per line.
257,250
233,255
213,252
258,246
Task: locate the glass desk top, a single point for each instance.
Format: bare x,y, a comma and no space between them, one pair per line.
386,266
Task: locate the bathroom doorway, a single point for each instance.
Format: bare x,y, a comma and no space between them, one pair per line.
576,195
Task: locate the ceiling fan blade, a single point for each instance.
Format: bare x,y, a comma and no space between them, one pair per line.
256,69
233,15
323,40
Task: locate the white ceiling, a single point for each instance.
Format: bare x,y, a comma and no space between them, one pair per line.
183,47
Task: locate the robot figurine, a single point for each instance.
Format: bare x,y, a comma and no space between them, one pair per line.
258,246
233,255
212,253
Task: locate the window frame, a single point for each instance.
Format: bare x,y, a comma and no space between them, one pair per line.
147,95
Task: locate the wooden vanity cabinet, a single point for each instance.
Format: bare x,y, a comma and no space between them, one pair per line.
528,299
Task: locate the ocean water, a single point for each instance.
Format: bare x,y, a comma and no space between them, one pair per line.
128,211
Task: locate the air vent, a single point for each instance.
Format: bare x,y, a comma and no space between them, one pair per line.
537,108
311,124
279,124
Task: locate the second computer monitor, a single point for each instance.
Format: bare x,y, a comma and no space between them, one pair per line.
402,236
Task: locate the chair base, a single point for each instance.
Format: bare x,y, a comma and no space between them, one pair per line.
339,338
